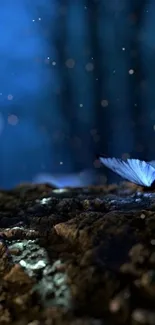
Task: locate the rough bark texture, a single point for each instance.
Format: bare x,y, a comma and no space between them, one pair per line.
77,257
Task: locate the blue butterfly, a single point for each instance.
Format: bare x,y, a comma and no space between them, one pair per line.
134,170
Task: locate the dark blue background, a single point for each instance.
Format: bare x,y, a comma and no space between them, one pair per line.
77,78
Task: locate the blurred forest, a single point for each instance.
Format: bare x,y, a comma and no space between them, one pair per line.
77,79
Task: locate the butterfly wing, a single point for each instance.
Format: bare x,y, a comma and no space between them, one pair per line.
133,170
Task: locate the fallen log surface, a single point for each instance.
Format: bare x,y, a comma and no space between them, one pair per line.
77,256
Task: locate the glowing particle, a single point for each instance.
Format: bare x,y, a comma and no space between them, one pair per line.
33,20
123,48
13,119
131,71
104,103
89,67
47,60
81,105
10,97
39,18
61,162
53,63
70,63
154,127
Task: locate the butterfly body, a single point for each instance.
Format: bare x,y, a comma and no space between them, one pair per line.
136,171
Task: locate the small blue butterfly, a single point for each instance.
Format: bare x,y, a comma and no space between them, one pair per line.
134,170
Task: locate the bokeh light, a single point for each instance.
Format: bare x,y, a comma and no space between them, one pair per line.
77,79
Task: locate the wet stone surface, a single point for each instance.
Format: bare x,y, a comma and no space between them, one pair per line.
77,257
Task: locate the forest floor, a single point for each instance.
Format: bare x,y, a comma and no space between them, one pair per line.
77,257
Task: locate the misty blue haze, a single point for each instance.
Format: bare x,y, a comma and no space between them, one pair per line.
76,79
